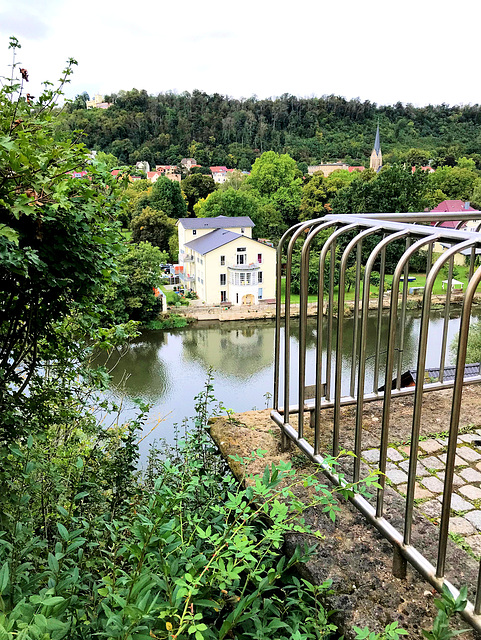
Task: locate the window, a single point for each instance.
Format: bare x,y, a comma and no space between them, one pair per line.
222,260
259,258
259,276
222,279
259,293
237,298
223,296
194,232
241,258
241,250
242,229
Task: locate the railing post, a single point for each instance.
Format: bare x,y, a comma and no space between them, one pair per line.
399,564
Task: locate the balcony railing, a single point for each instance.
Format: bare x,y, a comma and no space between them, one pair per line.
253,266
189,259
186,278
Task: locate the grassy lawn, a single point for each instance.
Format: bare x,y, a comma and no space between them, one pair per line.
420,281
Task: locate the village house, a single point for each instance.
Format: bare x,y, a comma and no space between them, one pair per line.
223,264
97,103
456,206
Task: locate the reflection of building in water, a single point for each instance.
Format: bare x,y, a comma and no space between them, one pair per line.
240,352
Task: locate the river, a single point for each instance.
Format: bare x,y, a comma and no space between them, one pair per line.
168,369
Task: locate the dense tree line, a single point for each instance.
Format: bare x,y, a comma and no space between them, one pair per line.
219,130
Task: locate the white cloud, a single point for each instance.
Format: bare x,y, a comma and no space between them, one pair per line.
378,50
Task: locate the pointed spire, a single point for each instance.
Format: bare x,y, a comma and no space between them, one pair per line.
377,143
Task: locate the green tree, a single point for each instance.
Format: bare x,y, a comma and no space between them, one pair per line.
317,196
132,298
394,189
108,159
196,187
456,182
229,203
166,196
154,227
58,239
275,179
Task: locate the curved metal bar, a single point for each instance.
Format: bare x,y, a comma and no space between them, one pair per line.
418,393
380,305
304,293
287,314
329,245
447,304
400,352
340,318
380,248
386,409
277,337
453,430
456,403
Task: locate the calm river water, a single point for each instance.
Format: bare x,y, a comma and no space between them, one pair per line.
168,368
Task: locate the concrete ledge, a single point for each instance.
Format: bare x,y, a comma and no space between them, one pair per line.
353,555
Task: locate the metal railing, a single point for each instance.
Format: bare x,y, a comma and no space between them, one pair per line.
340,253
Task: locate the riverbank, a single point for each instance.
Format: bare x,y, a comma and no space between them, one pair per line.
267,310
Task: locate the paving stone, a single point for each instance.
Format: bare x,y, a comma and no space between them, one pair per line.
473,493
430,446
457,480
475,543
458,503
470,475
443,442
405,448
433,463
419,492
475,518
394,455
396,476
372,455
432,508
468,454
458,462
433,484
420,469
461,526
469,437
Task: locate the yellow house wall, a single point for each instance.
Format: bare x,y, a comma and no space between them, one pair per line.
210,290
459,259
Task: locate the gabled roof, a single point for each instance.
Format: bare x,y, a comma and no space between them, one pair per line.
454,205
219,222
213,240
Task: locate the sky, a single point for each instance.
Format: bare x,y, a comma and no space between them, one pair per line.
419,52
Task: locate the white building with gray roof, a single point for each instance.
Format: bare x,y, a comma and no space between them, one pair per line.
223,264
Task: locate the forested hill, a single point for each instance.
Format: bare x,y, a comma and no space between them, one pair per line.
218,130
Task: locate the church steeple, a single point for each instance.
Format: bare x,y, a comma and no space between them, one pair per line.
376,155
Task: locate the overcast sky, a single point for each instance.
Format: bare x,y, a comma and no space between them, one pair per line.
419,51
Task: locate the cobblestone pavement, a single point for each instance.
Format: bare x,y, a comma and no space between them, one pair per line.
465,522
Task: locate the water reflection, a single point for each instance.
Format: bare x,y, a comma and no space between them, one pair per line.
169,368
139,371
238,351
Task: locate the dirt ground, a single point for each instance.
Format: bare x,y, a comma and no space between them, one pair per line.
353,554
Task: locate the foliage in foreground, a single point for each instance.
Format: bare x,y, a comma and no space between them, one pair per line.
89,548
